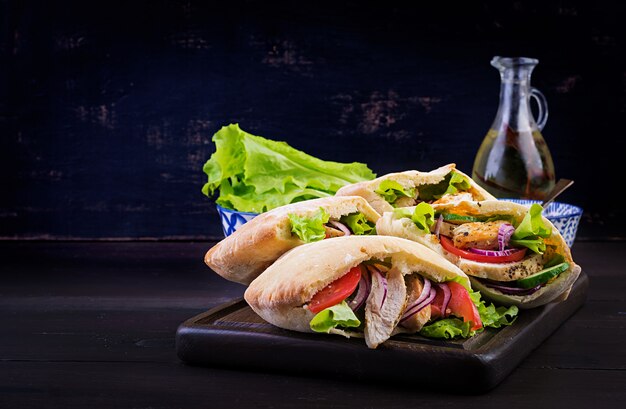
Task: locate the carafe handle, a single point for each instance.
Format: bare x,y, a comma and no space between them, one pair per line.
542,103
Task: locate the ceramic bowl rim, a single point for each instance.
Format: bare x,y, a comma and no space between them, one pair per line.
225,210
573,210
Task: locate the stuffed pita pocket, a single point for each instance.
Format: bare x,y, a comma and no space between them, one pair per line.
371,287
403,189
243,255
513,255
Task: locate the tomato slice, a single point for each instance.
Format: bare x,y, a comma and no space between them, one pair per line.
462,306
336,292
447,244
436,306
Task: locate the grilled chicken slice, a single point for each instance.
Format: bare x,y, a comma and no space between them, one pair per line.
480,235
405,202
454,198
414,286
332,232
445,229
503,271
380,320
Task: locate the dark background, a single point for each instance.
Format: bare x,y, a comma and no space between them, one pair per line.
107,108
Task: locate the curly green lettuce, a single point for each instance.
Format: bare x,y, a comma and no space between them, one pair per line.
339,315
490,315
391,191
453,183
254,174
309,229
532,230
423,216
447,328
358,224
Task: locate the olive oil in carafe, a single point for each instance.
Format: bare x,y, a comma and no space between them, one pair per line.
516,164
513,161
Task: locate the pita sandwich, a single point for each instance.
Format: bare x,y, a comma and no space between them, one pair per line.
403,189
512,254
249,250
363,286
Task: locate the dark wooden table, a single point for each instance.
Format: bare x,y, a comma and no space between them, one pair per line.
92,324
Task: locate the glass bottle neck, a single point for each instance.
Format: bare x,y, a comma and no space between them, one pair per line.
514,108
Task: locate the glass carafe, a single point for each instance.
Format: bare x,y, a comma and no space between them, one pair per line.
514,160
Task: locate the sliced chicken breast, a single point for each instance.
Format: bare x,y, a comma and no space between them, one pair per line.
480,235
502,271
383,311
454,198
332,232
445,228
405,202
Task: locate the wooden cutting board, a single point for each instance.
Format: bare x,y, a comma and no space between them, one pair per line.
233,336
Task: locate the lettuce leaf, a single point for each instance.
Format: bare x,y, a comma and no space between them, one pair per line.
451,184
423,216
254,174
532,230
492,316
340,315
309,229
391,191
358,224
447,328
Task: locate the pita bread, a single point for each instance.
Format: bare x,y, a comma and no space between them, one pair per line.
279,294
409,179
255,245
392,225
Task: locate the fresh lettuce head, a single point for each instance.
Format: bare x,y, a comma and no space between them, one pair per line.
254,174
309,229
532,230
390,190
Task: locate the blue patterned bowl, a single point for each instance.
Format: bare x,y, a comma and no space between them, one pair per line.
564,216
233,219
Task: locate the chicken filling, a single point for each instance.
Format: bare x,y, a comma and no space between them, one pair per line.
385,302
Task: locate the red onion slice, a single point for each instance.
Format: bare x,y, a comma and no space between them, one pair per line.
505,232
409,313
362,293
377,275
425,291
423,295
495,253
438,225
341,227
447,294
505,289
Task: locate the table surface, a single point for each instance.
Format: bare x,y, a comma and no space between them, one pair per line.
92,324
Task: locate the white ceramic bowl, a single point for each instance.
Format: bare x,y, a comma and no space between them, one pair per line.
564,216
233,219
